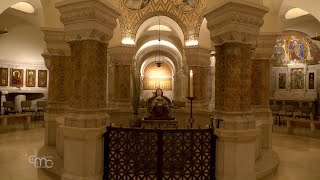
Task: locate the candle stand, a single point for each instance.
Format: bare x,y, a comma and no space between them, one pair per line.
191,120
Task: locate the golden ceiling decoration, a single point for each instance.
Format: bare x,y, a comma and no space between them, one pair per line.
187,13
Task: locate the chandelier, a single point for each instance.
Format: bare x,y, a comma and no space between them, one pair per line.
3,30
158,60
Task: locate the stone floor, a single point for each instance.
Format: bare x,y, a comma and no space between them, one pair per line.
299,156
15,148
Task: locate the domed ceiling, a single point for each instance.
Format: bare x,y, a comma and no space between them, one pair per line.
295,47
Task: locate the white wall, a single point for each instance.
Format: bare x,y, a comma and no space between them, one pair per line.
24,42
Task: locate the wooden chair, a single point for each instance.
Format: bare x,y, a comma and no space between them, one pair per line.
26,107
289,109
305,112
276,112
41,107
9,108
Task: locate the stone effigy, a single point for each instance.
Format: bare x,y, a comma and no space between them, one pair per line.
159,107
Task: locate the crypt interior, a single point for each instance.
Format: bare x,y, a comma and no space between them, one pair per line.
160,89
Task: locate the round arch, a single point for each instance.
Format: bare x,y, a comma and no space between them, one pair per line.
145,23
165,47
307,5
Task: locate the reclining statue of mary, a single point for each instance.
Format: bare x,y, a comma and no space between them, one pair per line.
159,107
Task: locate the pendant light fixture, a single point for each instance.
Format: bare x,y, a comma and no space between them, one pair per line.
159,60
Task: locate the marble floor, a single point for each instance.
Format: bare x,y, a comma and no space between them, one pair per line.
299,156
15,148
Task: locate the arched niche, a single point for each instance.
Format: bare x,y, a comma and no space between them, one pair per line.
154,77
148,53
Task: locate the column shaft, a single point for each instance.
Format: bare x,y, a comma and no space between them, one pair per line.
234,26
89,25
55,60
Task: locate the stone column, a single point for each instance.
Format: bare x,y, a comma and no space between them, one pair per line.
211,106
261,68
198,60
56,57
89,26
234,27
121,59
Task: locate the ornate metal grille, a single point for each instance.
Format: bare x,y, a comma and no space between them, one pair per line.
151,154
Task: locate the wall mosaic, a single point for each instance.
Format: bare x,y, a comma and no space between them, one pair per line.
295,47
311,80
282,81
297,78
187,13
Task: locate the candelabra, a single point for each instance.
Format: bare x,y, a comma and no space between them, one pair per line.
191,120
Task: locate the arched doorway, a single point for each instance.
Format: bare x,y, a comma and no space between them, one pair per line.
154,77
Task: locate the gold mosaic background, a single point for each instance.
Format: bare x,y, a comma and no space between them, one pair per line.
189,20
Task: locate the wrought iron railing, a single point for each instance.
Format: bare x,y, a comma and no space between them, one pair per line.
154,154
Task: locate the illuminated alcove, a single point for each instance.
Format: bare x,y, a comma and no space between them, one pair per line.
154,77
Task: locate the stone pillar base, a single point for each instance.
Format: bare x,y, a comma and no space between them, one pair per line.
264,121
51,128
235,159
83,153
73,177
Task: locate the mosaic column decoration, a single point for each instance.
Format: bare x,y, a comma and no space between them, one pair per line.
261,68
234,27
89,26
56,57
198,60
121,59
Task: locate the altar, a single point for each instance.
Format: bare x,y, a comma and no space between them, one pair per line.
18,96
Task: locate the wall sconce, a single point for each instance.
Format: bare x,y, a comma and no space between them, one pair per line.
127,38
192,39
127,41
192,42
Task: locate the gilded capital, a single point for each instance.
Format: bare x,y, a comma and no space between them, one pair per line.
235,21
87,20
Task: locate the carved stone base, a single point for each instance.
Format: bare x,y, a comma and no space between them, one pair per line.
51,128
161,124
83,153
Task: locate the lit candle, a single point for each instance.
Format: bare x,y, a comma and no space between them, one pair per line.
191,83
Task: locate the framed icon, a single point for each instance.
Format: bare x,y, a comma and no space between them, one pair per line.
3,76
30,78
17,77
42,78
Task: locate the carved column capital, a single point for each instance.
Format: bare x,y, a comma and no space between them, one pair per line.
235,21
122,55
55,43
88,20
197,56
265,45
